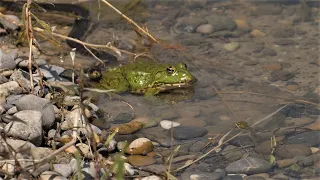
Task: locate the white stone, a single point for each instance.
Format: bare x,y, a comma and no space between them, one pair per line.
166,124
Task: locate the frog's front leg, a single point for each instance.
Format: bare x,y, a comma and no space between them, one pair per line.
151,91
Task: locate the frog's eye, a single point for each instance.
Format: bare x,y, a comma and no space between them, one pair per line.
94,74
170,70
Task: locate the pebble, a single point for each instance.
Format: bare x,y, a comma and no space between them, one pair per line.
242,25
32,102
159,135
153,177
190,24
127,128
283,42
249,165
64,169
232,46
9,88
257,33
221,22
138,160
231,153
10,22
266,9
285,162
166,124
85,150
204,29
283,32
281,75
122,118
140,146
7,59
272,66
197,146
308,138
269,52
29,126
291,150
188,132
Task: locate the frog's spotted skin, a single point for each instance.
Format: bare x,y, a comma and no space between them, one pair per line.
145,77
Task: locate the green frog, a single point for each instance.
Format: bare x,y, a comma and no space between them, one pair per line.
145,77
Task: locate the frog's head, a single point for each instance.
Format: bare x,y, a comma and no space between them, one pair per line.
174,76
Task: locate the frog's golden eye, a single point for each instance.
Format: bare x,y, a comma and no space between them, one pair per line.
170,70
94,74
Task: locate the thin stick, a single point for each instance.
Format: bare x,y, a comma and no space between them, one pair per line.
130,21
40,30
30,38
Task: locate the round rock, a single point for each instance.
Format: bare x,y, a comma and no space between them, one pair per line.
32,102
188,132
27,127
165,124
249,165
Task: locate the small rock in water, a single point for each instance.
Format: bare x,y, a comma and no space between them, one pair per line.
281,75
220,23
308,138
283,42
232,46
188,132
122,118
291,150
249,165
138,160
205,29
165,124
140,146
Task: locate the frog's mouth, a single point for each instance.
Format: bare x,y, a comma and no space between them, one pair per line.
168,86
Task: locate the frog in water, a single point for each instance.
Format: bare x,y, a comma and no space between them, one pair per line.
145,77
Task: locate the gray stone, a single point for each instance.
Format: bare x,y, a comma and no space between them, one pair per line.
220,22
32,102
309,138
3,79
189,24
40,152
249,165
283,32
188,132
51,175
281,75
28,126
9,88
284,42
7,59
269,52
10,22
64,169
122,118
231,153
16,144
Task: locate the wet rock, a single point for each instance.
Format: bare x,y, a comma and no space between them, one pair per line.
165,124
64,169
291,150
273,66
32,102
242,25
197,146
248,48
308,138
193,4
281,75
232,46
140,146
138,160
169,114
266,9
283,32
310,160
27,127
249,165
269,52
190,24
122,118
204,93
203,175
101,123
284,42
231,153
285,162
127,128
292,86
188,132
220,22
254,177
158,135
205,29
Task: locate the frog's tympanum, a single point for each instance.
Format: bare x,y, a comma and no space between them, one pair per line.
146,77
